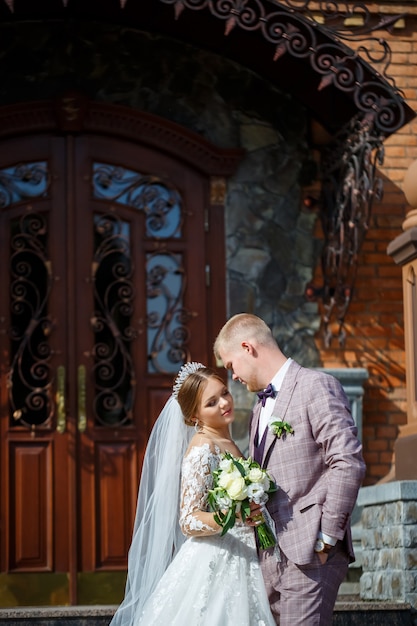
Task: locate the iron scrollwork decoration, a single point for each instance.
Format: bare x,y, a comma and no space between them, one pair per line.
350,185
29,376
113,298
168,335
160,202
292,28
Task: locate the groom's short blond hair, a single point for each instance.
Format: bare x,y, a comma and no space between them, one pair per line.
243,327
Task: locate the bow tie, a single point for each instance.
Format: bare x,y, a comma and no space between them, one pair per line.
269,392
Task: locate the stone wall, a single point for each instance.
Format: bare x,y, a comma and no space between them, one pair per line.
389,542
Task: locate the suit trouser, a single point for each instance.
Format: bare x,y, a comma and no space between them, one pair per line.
304,595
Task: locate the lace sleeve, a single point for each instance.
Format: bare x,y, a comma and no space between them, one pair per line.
196,480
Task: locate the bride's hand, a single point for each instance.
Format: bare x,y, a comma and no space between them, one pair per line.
256,517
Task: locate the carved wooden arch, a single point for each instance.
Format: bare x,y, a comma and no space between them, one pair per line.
73,113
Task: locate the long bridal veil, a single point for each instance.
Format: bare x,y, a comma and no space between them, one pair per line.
156,533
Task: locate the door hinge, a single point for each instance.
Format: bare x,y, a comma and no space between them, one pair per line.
208,270
206,220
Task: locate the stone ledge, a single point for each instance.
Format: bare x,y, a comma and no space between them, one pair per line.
347,604
387,492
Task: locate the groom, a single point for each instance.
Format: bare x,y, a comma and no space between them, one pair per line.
302,431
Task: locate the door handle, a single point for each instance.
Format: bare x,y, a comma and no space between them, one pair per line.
60,399
82,415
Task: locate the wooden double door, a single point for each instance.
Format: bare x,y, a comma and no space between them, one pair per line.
106,251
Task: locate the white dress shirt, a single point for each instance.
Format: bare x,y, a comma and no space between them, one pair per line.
266,411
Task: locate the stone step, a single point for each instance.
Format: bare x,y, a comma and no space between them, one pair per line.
351,612
358,613
57,616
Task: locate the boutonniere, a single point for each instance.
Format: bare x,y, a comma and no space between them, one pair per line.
279,428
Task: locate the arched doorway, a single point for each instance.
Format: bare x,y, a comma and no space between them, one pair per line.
107,252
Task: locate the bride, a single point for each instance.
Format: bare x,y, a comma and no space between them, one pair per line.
181,572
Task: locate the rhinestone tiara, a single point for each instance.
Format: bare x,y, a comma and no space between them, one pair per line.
185,371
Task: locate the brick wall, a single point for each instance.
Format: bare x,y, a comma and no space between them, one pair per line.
375,334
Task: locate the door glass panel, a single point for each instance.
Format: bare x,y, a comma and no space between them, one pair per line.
22,182
160,202
31,282
167,334
111,322
166,317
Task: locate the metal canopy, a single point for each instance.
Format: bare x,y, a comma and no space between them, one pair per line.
283,42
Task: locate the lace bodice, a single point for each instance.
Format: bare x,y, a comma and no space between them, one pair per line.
196,480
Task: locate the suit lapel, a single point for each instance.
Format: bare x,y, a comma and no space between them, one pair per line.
254,426
281,406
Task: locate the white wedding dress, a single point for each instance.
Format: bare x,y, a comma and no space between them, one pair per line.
213,580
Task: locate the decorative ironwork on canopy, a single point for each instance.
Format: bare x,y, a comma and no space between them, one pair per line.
296,44
292,29
350,186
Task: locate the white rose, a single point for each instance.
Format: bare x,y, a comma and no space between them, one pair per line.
237,489
255,475
224,480
226,465
227,478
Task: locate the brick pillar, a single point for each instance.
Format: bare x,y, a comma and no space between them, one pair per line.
404,252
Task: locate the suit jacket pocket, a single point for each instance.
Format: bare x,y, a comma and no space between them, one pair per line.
312,499
306,508
308,521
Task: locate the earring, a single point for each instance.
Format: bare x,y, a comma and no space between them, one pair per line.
197,427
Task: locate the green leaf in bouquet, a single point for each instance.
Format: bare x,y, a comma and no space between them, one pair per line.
211,498
217,519
272,486
239,467
245,509
228,520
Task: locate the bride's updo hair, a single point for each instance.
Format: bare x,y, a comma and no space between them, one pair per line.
191,389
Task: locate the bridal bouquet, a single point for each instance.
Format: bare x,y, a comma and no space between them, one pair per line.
237,483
